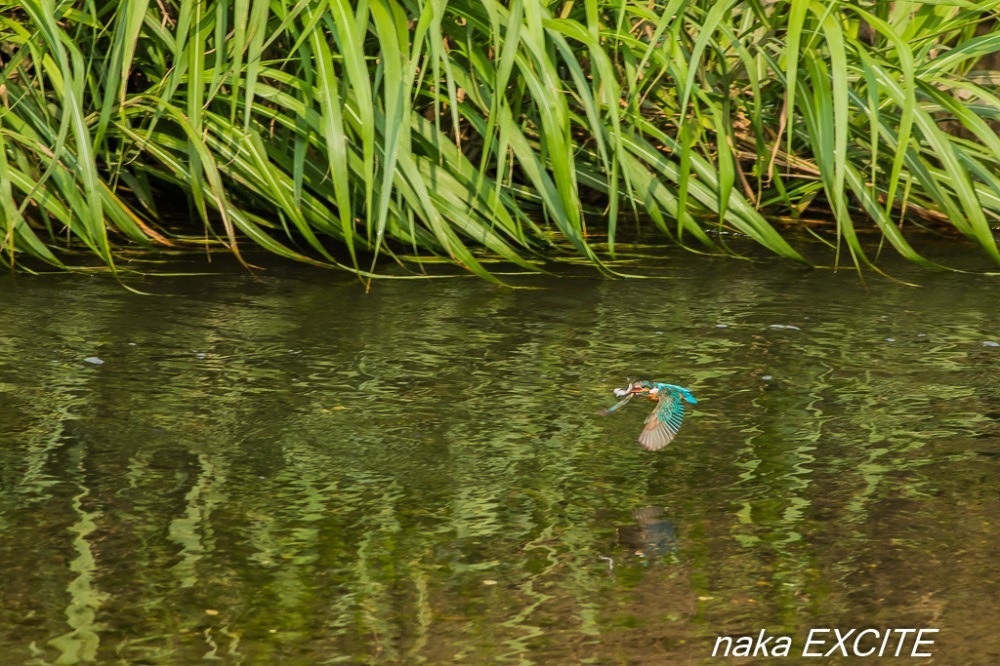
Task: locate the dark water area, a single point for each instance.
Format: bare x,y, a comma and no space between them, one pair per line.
280,468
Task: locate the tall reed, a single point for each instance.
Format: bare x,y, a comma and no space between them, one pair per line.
341,132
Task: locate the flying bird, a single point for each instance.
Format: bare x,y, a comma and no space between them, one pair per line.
666,418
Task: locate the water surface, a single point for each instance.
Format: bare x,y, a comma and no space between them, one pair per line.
280,468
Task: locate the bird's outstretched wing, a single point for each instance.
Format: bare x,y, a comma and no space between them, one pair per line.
664,421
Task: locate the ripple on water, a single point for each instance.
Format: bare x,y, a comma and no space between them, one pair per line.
291,467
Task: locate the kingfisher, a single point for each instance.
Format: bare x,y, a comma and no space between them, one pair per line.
666,418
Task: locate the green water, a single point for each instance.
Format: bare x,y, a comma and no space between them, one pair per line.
279,468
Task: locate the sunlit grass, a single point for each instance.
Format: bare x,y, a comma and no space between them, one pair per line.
341,133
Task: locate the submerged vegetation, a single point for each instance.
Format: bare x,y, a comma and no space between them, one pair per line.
338,132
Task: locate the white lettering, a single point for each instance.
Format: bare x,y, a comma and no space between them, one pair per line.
817,642
885,641
917,642
831,642
857,640
761,645
902,638
840,642
729,646
744,643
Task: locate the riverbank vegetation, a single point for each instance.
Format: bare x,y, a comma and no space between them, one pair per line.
343,133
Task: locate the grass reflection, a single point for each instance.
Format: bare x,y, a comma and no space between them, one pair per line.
405,485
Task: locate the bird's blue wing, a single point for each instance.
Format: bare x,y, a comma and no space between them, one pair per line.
664,421
675,389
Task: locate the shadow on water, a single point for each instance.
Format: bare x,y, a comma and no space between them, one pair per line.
282,468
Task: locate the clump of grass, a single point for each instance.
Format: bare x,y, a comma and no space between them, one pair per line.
340,132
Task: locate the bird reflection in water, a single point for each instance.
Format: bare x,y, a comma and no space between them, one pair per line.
651,537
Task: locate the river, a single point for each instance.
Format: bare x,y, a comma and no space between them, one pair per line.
277,467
